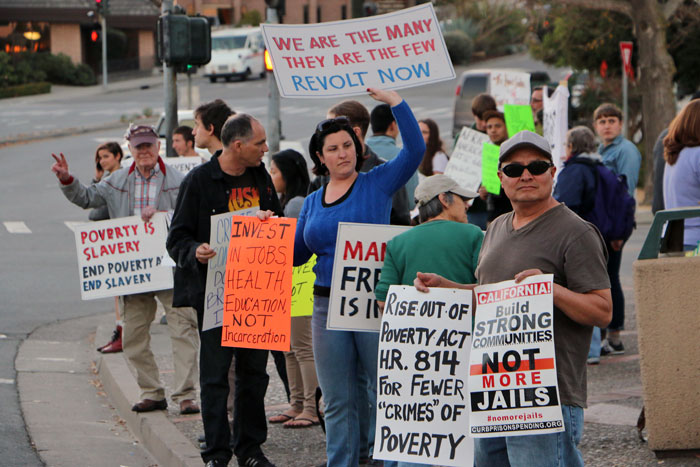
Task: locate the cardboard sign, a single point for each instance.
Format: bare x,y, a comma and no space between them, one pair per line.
518,118
489,168
219,238
422,395
358,261
258,284
509,87
183,164
555,123
464,166
343,58
513,376
122,256
303,279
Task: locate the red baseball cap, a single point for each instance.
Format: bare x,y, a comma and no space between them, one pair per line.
139,134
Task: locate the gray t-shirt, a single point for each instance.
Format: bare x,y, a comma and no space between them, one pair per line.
560,243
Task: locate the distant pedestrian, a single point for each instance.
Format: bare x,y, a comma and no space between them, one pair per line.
478,212
183,142
480,104
682,172
497,204
435,159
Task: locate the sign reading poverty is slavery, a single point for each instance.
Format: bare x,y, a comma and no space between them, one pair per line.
122,256
464,166
512,370
303,279
510,87
343,58
357,265
219,239
258,283
422,395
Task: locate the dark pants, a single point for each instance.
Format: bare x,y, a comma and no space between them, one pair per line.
618,298
249,422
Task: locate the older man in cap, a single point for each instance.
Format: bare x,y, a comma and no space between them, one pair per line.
142,189
542,236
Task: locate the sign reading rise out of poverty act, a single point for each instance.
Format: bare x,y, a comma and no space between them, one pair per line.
357,265
422,395
343,58
219,238
122,256
258,283
465,162
512,369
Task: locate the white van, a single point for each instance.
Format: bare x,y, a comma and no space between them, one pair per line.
238,52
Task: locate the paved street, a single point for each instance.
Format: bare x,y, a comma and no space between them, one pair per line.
41,301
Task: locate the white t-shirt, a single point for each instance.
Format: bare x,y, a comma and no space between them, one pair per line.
439,162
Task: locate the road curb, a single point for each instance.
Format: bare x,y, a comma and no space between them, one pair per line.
157,433
30,137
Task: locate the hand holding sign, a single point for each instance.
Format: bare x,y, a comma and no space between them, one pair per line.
391,98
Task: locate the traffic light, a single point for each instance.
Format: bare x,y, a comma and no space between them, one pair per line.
101,6
278,5
184,40
94,35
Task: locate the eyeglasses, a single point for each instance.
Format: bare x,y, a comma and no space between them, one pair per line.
535,168
325,125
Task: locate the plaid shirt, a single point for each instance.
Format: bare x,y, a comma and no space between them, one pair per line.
146,189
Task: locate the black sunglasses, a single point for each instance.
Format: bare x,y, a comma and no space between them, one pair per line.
535,168
325,125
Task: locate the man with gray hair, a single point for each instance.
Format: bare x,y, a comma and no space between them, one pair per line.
233,179
576,183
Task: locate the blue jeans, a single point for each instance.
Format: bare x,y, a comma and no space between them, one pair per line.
549,450
341,357
594,350
403,464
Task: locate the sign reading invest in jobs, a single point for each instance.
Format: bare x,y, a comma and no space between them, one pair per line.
122,256
397,50
258,283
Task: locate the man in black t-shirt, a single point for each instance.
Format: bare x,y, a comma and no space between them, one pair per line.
233,179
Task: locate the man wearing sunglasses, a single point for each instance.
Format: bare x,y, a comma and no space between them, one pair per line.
542,236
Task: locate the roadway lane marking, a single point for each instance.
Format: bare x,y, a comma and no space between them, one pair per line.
7,381
72,224
17,227
3,336
55,359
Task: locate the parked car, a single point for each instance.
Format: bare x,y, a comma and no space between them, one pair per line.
237,52
474,82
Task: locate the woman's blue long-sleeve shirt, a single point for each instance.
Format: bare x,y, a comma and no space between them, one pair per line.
367,201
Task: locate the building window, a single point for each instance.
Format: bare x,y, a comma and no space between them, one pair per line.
343,12
318,14
306,14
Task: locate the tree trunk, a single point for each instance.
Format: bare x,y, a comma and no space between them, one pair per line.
656,69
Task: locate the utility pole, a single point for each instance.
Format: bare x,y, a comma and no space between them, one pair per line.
273,98
170,87
103,24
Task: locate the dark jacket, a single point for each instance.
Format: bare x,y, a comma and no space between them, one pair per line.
400,214
204,193
576,183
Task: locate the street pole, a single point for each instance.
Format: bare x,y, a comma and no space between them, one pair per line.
170,87
103,24
273,102
189,89
625,123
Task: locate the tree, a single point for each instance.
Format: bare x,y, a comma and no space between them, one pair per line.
656,68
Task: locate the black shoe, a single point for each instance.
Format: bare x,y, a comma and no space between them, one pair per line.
256,461
148,405
608,348
216,463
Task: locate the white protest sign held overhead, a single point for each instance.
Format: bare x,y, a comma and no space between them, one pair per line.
512,375
422,395
464,166
397,50
555,123
510,87
357,265
122,256
219,238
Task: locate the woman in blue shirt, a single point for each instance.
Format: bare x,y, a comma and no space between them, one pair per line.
349,196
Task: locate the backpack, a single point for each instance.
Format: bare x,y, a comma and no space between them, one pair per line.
612,208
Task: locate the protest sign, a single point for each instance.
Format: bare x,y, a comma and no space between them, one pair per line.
489,168
122,256
358,261
518,118
512,370
464,166
509,87
303,279
219,238
555,123
258,283
422,395
397,50
183,164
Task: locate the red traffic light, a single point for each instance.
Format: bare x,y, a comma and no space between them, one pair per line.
94,36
